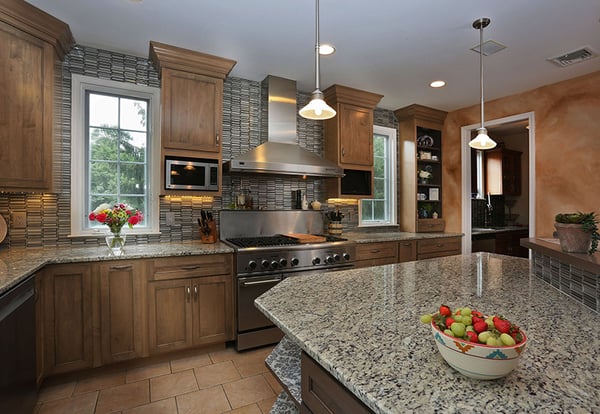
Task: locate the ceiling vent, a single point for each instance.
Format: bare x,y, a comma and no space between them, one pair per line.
575,56
489,47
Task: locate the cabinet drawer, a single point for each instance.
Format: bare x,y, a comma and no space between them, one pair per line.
376,250
430,225
191,266
438,245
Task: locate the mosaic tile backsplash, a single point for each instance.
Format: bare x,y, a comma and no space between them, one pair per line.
48,215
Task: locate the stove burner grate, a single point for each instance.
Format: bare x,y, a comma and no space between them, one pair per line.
263,241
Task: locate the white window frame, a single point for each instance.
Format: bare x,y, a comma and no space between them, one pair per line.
392,134
79,216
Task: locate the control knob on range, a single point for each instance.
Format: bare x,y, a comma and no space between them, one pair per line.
283,262
252,265
346,256
336,257
295,261
265,264
329,260
316,261
274,264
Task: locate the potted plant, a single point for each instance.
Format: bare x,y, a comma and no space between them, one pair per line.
577,232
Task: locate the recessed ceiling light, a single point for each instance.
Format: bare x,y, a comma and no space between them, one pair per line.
437,84
326,49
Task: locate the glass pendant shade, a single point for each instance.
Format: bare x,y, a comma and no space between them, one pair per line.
482,141
317,108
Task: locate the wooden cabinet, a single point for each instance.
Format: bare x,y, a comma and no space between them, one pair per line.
438,247
348,140
420,169
30,43
190,302
376,254
191,104
322,393
67,317
121,311
407,251
503,171
509,243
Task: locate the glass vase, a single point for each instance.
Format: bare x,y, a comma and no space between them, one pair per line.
116,244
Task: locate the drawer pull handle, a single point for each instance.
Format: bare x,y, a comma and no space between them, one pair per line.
188,292
195,293
190,267
375,251
122,267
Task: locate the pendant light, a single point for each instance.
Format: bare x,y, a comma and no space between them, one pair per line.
317,108
482,141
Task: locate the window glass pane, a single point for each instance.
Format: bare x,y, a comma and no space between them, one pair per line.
103,144
133,146
103,178
379,188
367,210
133,114
379,167
379,210
103,110
132,178
135,202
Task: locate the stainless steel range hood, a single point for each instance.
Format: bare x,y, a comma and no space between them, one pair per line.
281,154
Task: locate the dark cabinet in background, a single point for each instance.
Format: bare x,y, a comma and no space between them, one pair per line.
503,171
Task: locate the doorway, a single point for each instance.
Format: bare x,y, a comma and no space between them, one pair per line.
500,125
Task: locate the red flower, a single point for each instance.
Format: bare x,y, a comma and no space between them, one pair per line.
133,220
101,217
92,216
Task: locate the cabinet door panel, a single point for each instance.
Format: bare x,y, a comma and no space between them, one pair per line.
26,81
407,251
213,309
68,318
170,317
356,134
120,311
191,111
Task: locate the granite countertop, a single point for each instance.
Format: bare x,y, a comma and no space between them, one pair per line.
18,263
492,230
367,237
363,327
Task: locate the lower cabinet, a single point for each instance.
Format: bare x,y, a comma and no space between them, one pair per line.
380,253
509,243
407,251
321,393
188,311
93,314
67,303
376,254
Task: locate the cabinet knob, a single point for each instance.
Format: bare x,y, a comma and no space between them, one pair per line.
195,293
188,292
343,151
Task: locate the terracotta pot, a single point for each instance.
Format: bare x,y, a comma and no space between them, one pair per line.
572,238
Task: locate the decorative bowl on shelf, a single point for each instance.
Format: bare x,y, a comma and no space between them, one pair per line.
476,360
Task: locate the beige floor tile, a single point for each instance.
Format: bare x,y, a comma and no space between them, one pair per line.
248,409
123,397
250,366
275,385
266,405
226,354
190,362
247,391
56,391
148,371
79,404
216,374
168,406
172,385
208,401
99,382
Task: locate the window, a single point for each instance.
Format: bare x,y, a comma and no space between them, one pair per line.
113,151
381,210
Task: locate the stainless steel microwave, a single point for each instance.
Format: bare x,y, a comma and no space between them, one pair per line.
191,174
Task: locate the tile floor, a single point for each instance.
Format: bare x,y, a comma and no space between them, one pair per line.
224,381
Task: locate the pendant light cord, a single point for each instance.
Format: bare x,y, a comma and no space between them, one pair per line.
317,47
480,68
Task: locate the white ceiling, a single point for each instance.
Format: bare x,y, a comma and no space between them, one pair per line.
391,47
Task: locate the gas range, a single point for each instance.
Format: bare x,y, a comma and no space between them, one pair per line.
263,255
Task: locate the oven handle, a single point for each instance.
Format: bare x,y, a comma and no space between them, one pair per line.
261,282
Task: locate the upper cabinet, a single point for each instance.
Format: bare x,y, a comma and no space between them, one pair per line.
191,103
31,43
503,171
420,169
348,140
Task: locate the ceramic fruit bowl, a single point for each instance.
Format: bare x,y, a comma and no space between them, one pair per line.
476,360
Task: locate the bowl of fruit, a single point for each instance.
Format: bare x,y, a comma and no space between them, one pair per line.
476,345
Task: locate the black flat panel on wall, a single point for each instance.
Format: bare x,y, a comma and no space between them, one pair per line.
356,182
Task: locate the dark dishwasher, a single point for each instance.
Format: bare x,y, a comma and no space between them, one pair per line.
18,391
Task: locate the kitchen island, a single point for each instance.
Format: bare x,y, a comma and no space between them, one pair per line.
362,327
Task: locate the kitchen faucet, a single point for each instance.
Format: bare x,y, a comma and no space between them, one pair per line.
488,213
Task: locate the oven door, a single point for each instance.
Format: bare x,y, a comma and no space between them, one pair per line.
248,289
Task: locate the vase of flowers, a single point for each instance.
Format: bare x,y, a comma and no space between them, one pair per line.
115,217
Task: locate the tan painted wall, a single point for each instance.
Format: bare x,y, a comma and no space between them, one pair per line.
567,153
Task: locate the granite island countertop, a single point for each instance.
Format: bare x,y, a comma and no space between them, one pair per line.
362,326
374,237
18,263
